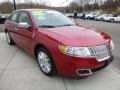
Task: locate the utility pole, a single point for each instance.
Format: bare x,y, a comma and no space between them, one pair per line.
14,4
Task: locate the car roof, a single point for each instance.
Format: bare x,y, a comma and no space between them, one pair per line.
29,10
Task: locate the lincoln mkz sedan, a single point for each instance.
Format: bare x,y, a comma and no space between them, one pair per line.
59,45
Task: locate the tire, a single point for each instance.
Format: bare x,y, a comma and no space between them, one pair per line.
88,17
111,20
101,19
9,39
45,62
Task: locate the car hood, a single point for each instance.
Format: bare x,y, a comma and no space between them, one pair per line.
77,35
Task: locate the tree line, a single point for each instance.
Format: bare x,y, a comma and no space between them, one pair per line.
8,7
108,6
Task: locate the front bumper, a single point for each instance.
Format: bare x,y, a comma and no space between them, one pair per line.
79,67
87,72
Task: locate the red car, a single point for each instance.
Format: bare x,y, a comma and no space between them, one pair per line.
59,45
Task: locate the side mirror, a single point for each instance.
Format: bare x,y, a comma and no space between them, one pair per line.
24,25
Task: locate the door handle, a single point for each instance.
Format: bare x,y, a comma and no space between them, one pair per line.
16,29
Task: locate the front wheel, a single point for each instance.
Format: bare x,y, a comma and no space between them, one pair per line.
46,62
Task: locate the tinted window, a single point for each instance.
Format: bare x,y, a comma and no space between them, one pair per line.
24,18
14,16
115,15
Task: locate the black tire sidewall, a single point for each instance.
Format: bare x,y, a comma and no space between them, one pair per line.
111,20
53,69
101,19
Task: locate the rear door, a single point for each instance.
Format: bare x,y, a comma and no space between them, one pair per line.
11,24
118,17
115,17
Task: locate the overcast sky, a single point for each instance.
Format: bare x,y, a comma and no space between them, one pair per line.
47,2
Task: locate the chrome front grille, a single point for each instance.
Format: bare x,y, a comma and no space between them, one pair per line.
100,52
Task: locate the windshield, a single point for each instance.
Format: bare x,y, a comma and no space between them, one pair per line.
49,18
95,13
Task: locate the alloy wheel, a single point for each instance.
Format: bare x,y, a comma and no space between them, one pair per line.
44,62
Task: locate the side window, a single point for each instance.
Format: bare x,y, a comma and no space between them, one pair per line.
14,16
24,18
115,15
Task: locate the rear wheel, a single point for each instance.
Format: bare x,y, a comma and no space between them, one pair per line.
9,39
46,62
111,20
88,17
101,19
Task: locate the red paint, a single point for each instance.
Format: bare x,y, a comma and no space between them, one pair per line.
52,37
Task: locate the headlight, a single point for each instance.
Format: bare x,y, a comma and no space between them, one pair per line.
75,51
112,45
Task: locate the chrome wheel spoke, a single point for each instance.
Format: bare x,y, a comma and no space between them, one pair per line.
44,62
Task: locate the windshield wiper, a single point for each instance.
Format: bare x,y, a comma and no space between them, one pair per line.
67,25
50,26
47,26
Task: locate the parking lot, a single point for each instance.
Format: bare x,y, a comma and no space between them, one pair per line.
19,71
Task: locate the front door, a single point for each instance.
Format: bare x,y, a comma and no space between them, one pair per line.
25,34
